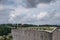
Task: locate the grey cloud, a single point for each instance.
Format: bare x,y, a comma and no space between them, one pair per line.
52,14
4,15
25,3
3,1
33,3
25,18
6,2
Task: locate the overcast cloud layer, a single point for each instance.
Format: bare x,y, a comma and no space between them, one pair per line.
30,11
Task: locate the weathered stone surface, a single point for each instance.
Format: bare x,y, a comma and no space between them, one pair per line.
35,34
56,34
30,35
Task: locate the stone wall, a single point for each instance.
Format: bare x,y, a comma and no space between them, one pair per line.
35,34
30,35
56,34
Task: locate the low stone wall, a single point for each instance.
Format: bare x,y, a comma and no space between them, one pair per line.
35,34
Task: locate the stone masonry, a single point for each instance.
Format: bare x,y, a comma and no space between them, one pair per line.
35,34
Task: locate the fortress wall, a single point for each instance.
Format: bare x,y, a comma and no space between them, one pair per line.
56,34
30,35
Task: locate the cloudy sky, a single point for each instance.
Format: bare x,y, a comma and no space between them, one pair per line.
30,11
